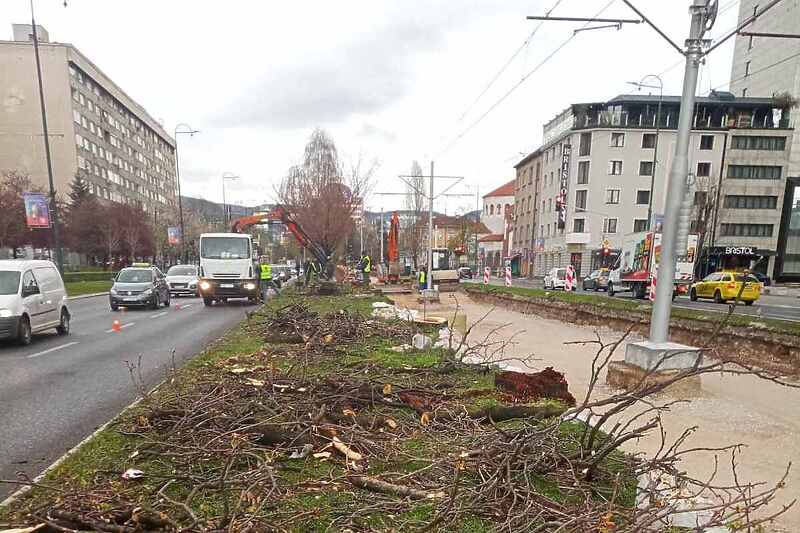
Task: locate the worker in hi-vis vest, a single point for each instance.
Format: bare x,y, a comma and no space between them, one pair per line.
422,279
265,276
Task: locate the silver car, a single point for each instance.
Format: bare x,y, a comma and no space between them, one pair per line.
183,280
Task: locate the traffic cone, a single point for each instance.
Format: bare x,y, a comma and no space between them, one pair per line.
115,326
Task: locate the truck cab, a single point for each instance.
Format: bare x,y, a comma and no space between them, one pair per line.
228,267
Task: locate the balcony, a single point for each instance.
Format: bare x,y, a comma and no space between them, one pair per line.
578,238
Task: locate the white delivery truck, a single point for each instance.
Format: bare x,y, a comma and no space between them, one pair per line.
638,262
228,267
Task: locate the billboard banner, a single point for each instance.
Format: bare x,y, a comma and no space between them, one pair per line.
561,199
37,210
173,235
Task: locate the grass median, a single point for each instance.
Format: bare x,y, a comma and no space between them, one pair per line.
310,416
78,288
644,308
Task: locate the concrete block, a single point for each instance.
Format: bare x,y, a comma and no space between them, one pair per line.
664,355
421,342
622,375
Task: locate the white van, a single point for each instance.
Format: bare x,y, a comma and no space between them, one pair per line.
32,299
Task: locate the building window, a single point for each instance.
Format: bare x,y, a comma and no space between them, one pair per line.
645,168
747,230
585,147
617,139
612,196
491,209
703,169
549,204
746,69
548,230
538,169
639,224
741,142
615,168
751,202
580,199
583,172
609,225
76,117
578,225
642,197
754,172
706,142
648,140
700,197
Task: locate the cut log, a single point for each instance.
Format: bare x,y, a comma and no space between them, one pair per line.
377,485
535,386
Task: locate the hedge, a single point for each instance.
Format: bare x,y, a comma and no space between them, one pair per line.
71,277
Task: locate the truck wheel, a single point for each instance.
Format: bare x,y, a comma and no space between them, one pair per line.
748,302
718,297
693,295
610,289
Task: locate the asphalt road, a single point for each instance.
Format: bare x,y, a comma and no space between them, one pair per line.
777,307
58,390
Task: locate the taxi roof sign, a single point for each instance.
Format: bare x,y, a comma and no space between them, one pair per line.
141,265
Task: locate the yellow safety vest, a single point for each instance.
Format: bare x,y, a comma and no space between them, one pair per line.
421,277
266,271
367,264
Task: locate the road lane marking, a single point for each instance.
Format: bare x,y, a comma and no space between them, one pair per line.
123,326
185,306
159,315
56,348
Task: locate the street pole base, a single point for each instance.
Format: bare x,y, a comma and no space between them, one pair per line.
649,355
622,375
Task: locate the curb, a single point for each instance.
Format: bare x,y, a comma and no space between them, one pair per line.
84,296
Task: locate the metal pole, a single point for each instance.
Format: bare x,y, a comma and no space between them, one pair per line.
184,252
430,233
659,324
381,235
53,206
655,156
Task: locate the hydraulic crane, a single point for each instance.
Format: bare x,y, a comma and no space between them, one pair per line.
280,214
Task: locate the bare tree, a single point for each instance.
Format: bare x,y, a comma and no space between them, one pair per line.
414,231
110,230
321,196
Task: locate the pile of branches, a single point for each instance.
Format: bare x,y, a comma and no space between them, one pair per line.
241,448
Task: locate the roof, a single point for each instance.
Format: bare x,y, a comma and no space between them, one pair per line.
715,98
445,221
494,237
504,190
18,265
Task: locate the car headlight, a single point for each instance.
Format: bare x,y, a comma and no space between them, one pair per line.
147,292
5,313
113,291
250,286
204,285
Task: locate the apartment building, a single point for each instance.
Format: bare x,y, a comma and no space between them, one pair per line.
604,166
96,130
770,66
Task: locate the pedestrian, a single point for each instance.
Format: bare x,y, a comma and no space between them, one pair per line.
265,270
366,268
422,279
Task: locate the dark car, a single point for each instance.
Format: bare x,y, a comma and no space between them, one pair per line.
762,278
597,280
465,273
139,286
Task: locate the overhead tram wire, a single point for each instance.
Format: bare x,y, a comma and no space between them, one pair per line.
507,63
517,85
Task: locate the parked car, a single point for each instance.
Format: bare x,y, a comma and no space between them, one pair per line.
32,299
141,285
724,286
597,280
556,278
464,273
765,280
183,280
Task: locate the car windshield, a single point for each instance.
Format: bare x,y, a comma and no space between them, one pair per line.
182,271
9,282
224,248
135,275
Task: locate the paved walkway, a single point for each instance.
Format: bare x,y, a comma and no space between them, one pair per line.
730,409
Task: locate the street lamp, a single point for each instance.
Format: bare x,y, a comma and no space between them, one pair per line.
184,129
660,88
225,213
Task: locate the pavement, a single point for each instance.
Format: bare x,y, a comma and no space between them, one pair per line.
768,306
60,389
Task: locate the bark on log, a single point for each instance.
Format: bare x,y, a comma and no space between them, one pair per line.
499,413
377,485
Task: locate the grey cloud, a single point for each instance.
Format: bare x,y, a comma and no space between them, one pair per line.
371,131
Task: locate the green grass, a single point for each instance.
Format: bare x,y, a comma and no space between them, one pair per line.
605,302
77,288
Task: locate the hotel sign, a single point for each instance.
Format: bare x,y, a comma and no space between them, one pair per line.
561,199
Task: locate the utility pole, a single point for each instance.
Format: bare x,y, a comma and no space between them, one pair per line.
381,262
181,128
48,158
429,277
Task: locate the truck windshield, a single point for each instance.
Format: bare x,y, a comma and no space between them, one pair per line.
224,248
9,282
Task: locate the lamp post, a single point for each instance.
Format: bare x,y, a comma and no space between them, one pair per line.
181,129
48,158
660,88
225,213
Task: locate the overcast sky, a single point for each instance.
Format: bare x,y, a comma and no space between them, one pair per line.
389,79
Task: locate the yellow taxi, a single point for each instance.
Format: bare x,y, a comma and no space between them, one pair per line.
725,285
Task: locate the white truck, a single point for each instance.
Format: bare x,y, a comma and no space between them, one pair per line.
638,262
228,267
